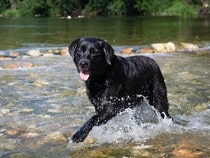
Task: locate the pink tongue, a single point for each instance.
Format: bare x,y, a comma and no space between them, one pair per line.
84,76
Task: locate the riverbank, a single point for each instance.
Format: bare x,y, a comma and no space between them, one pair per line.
109,8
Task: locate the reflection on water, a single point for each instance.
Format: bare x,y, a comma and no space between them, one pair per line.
43,105
39,32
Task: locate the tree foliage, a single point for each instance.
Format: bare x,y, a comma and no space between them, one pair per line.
4,5
45,8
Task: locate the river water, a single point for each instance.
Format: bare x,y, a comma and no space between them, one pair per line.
118,31
41,106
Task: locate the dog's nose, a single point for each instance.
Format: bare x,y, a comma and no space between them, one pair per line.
84,64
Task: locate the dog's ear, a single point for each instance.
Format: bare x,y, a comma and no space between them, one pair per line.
73,46
108,51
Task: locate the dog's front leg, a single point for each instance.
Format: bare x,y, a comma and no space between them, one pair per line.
96,120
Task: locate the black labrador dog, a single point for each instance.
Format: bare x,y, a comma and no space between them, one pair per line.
115,83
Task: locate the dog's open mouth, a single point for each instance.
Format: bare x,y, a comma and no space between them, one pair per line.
84,75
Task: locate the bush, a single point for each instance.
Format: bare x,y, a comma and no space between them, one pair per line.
181,8
116,7
152,7
165,7
11,13
33,8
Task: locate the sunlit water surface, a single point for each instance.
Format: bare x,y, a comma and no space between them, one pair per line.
42,106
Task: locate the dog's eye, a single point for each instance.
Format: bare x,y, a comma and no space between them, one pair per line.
94,52
83,48
79,52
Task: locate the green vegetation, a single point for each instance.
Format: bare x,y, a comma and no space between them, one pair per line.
45,8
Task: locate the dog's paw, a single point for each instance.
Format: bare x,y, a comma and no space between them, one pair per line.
78,137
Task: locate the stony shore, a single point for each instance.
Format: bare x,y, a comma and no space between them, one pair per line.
168,47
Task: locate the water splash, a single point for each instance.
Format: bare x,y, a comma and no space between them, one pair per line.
125,127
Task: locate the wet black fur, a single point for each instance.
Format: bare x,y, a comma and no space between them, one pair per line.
115,82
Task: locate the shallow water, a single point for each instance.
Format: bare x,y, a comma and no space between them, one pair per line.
43,105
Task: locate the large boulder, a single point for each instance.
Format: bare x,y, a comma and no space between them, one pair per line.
173,47
164,47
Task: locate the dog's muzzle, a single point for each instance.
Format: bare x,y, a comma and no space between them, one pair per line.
84,71
84,64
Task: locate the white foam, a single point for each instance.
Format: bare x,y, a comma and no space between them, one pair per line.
125,128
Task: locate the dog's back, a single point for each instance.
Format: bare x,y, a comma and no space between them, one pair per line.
139,75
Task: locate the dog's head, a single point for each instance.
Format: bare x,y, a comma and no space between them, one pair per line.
91,56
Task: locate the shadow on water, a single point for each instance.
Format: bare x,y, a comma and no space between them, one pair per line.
41,106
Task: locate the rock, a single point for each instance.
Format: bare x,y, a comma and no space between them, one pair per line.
7,56
18,65
4,111
40,83
186,46
127,51
4,58
26,65
33,53
14,54
164,47
81,16
69,17
173,47
26,111
201,107
56,136
89,140
29,135
53,111
189,150
145,113
141,152
14,132
146,50
64,52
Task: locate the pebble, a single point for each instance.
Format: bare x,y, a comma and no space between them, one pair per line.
44,116
146,50
26,111
57,136
40,83
64,52
127,51
189,150
18,65
53,111
89,141
33,53
4,58
14,132
29,135
201,107
4,111
14,54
